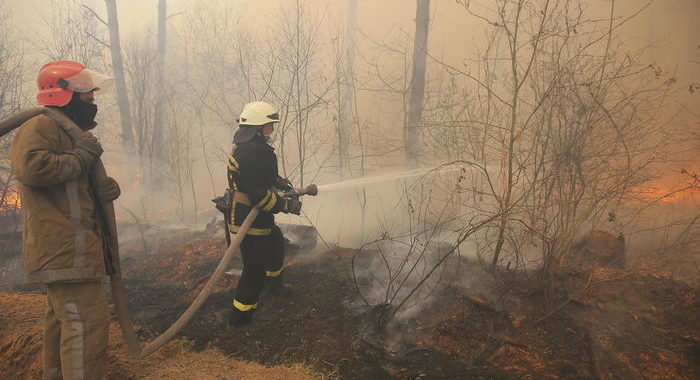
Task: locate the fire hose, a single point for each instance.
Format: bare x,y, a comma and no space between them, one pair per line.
106,209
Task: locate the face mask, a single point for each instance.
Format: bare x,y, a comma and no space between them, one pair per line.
81,113
270,139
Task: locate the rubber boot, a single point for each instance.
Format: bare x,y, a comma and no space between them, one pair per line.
241,318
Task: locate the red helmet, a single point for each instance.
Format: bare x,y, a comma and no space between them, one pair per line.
58,80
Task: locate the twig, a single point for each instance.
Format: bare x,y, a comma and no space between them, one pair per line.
318,233
460,240
98,40
354,279
569,299
138,223
96,15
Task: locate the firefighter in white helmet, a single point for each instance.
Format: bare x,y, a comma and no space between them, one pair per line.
252,175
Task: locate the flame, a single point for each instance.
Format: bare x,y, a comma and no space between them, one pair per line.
10,200
666,195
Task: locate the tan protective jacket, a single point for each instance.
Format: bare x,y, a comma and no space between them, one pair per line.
61,232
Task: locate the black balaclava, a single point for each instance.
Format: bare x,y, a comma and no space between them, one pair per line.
246,133
82,113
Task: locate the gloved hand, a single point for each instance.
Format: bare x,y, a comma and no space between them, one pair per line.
224,202
293,206
88,148
109,189
283,184
219,203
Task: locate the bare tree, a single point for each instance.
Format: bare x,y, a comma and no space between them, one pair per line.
160,85
12,98
346,68
572,123
140,64
118,70
286,76
559,123
420,48
73,34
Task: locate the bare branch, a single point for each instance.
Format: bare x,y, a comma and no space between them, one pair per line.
105,23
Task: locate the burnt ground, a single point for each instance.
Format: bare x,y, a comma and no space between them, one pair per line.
601,324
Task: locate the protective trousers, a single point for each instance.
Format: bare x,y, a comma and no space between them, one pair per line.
263,257
75,331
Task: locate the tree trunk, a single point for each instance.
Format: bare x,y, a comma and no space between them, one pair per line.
158,143
415,107
346,110
118,70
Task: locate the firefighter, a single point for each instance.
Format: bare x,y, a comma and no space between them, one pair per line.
252,175
62,243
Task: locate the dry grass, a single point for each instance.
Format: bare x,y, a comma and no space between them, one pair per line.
21,326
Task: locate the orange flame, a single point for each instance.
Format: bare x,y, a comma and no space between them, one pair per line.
660,194
10,200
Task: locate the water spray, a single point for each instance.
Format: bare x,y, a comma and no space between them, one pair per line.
384,178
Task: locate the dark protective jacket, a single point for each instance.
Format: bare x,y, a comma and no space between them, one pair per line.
62,241
252,174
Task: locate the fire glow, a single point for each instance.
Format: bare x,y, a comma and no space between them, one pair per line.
10,200
660,194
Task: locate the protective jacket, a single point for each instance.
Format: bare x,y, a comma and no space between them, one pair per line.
252,174
62,241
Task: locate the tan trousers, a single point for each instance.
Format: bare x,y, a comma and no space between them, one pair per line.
75,331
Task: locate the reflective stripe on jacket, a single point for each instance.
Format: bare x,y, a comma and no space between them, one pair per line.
252,171
61,239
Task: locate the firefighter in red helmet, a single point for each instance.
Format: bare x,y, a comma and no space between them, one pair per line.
62,243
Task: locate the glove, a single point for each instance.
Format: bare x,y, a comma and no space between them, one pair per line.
220,203
224,202
88,148
292,206
109,189
283,184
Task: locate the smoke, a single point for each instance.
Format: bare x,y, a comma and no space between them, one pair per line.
405,223
664,238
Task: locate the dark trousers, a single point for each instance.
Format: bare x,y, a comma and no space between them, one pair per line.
263,257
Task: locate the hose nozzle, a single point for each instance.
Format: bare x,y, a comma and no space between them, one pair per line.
311,190
308,190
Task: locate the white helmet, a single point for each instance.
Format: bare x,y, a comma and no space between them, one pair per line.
258,113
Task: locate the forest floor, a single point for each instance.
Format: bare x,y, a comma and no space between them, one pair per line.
602,324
